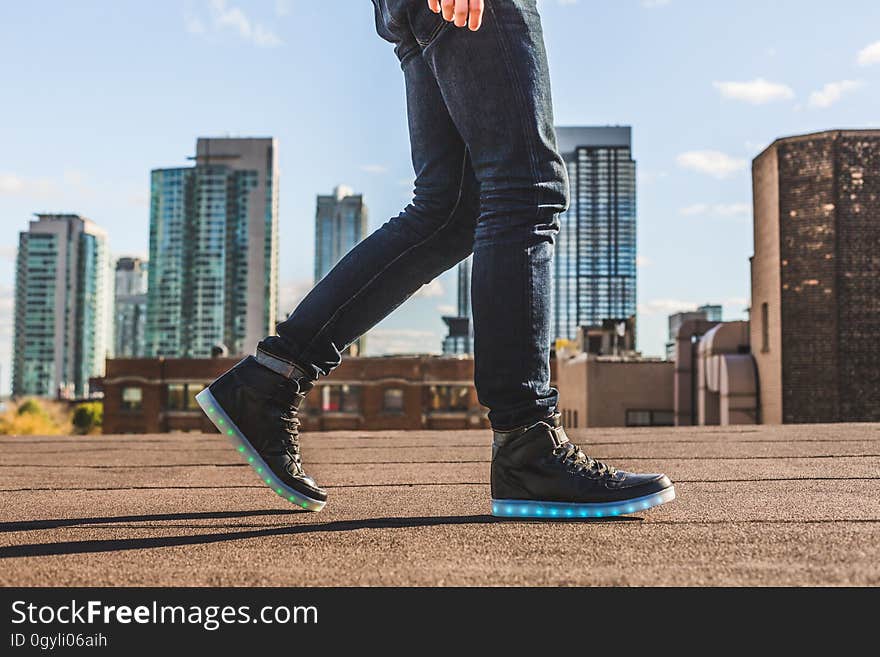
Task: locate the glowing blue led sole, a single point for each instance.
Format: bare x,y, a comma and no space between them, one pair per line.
570,511
227,427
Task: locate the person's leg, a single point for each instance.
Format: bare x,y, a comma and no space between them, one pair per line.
432,234
496,86
257,401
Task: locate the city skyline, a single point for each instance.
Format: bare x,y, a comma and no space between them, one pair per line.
697,121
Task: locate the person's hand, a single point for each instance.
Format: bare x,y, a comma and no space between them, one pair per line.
460,12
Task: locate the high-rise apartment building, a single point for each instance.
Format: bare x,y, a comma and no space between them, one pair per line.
63,292
340,223
461,330
595,258
815,314
130,307
213,274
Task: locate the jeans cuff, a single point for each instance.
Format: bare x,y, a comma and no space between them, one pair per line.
285,368
503,436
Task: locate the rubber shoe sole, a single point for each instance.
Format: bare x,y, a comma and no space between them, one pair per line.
571,511
243,446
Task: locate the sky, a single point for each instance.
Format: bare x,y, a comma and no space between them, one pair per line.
94,94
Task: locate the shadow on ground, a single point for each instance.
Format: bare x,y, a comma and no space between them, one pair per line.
86,547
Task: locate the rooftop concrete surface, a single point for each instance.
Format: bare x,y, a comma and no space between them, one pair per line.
757,505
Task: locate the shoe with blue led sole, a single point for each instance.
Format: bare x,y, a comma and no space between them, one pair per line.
537,472
256,409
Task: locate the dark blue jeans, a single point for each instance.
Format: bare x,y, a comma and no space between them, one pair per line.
489,181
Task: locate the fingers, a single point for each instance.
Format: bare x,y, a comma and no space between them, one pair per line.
448,8
463,13
475,15
460,16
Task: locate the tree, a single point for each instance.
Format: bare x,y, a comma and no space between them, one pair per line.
88,417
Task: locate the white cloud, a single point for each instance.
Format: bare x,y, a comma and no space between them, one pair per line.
224,17
666,307
643,261
429,290
10,183
713,163
283,7
374,168
8,253
403,341
672,306
870,54
757,92
447,309
833,92
38,188
716,210
653,4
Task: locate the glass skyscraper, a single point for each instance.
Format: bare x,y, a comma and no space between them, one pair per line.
213,274
63,292
340,223
595,257
130,308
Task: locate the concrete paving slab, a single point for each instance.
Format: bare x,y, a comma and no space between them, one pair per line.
792,505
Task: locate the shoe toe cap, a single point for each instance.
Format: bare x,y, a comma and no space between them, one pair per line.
650,483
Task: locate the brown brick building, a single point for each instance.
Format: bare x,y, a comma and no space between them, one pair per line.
815,317
155,395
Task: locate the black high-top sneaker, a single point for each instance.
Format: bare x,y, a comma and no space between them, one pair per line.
255,406
537,472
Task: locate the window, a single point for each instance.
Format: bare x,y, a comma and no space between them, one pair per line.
446,399
392,400
765,327
638,418
340,399
650,419
182,396
176,396
192,389
132,398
